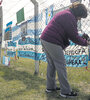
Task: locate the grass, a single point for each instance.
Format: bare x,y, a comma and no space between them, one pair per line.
18,82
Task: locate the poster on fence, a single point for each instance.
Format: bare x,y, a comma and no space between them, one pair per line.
76,56
49,14
11,51
6,61
8,31
26,48
23,29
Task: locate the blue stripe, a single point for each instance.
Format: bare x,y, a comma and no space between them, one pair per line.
15,28
42,56
11,44
17,37
46,11
4,60
51,13
29,32
71,61
8,29
32,32
89,55
76,60
10,23
26,54
51,8
29,40
11,53
71,43
32,55
36,18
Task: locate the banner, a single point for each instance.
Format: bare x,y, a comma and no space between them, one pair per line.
24,41
26,47
6,60
49,14
23,29
76,56
11,48
8,31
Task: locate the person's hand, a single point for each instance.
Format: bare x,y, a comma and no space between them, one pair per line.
85,36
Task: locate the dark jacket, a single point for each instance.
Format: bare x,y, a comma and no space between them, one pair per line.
61,29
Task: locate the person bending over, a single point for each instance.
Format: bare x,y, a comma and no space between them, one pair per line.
55,38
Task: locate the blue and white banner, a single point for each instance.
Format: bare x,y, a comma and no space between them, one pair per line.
6,61
76,60
11,43
24,41
23,27
11,48
49,14
9,24
76,56
11,53
8,31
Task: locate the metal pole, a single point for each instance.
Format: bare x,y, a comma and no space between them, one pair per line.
36,27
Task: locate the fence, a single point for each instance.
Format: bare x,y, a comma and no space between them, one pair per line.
25,38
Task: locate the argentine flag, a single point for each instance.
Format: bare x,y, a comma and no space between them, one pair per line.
49,13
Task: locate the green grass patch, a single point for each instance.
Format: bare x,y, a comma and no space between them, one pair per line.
18,82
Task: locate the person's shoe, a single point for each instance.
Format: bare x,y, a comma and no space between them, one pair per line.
70,95
52,90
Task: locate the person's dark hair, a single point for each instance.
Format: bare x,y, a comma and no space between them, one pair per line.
79,10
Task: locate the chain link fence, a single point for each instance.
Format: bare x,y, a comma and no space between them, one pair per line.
27,38
83,27
25,43
76,56
74,70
